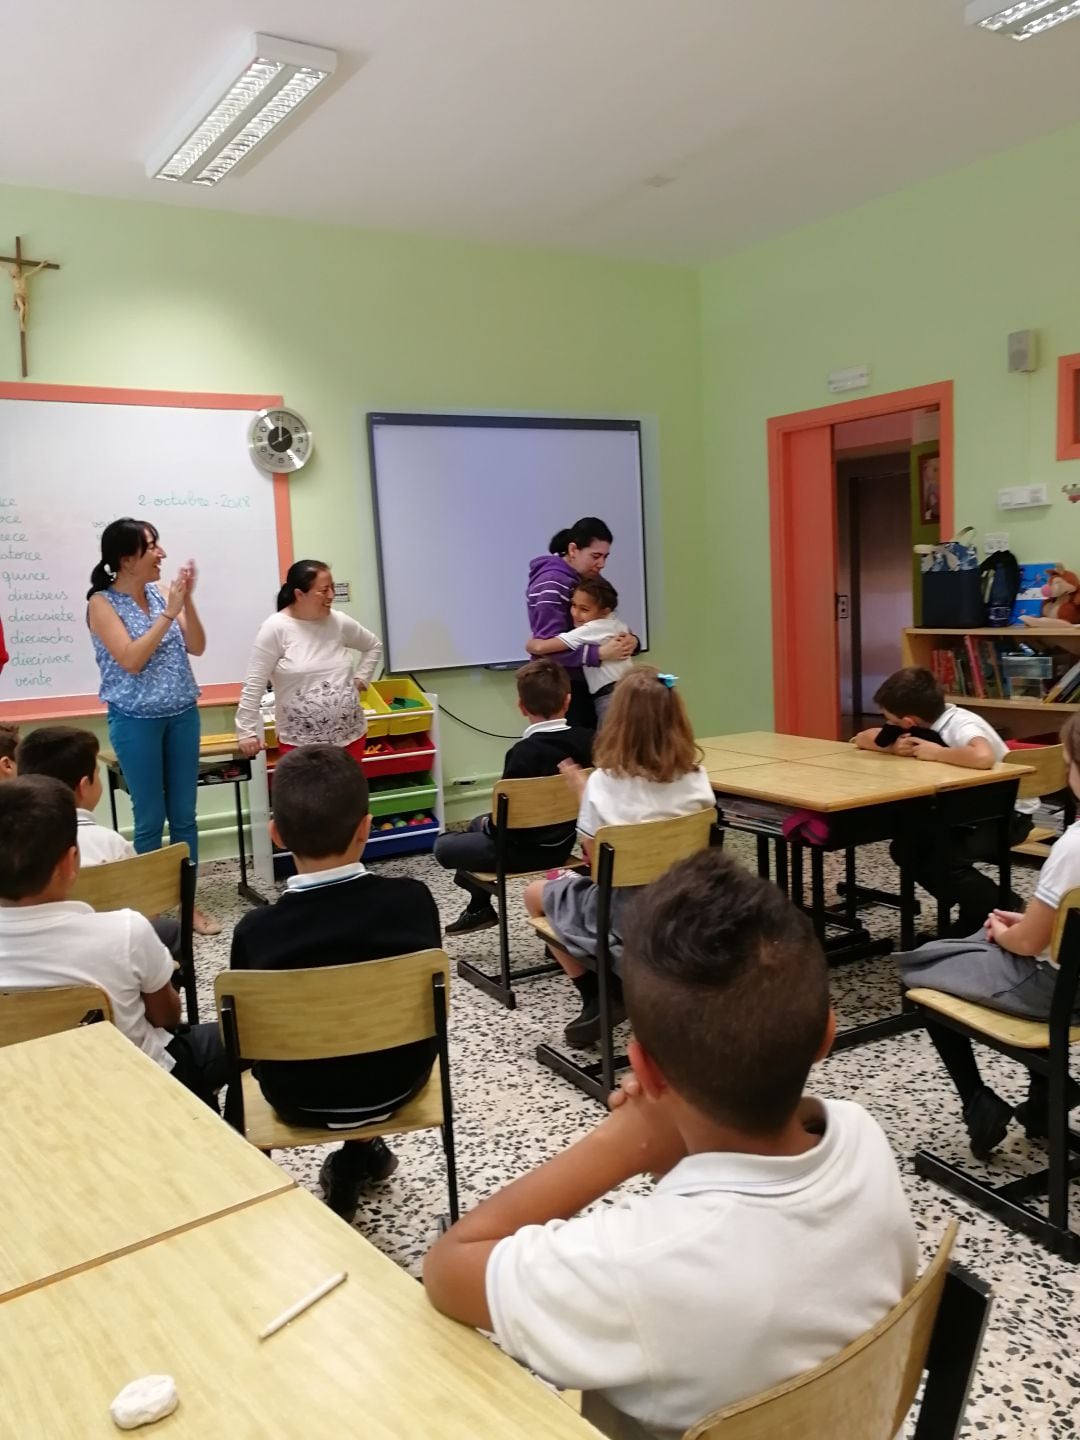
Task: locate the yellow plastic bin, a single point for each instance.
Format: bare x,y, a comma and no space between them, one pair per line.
412,719
376,710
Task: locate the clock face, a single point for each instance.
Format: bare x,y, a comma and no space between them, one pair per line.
279,440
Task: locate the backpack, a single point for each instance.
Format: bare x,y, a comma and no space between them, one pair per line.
1000,574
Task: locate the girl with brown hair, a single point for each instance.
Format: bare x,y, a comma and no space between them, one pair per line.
646,769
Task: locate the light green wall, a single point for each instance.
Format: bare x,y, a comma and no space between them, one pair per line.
341,321
923,286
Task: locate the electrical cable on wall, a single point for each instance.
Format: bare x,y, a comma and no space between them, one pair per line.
494,734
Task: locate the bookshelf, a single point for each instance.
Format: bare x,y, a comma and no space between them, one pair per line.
1017,718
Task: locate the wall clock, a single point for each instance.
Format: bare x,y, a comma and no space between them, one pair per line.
279,441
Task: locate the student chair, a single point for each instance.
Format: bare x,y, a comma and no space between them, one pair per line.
153,883
868,1388
1049,775
623,856
337,1010
30,1014
1044,1049
518,805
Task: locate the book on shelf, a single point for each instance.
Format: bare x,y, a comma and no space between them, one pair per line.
980,668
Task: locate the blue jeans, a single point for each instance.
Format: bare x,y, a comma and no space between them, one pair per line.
160,761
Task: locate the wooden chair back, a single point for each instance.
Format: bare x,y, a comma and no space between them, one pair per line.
865,1391
1049,774
150,884
648,850
30,1014
335,1009
1069,901
546,800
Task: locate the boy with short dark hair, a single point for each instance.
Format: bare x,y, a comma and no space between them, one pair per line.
71,756
914,705
9,743
47,939
543,698
334,912
666,1306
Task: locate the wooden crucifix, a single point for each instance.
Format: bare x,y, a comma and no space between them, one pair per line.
21,269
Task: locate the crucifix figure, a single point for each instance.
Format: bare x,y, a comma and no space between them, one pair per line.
21,270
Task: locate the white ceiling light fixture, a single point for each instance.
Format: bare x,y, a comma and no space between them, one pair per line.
1023,19
261,87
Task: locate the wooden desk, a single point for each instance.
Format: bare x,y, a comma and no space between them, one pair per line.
103,1152
890,768
798,785
373,1358
771,746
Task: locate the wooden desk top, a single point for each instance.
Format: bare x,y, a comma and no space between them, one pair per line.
373,1358
770,746
726,759
103,1151
803,787
891,767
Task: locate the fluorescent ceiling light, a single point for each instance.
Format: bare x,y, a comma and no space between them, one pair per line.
259,89
1024,18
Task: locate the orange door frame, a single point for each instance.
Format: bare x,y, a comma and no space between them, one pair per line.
802,511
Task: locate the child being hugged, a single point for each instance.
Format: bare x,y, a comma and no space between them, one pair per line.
592,609
646,769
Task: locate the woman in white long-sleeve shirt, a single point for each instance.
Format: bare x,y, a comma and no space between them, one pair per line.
308,652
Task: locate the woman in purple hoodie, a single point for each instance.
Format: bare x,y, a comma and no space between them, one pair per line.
573,554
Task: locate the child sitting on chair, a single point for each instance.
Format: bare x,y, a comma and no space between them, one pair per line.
1005,966
71,756
592,609
334,912
47,939
915,710
646,769
543,690
777,1231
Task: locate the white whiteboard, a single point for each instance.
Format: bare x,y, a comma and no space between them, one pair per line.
463,503
67,469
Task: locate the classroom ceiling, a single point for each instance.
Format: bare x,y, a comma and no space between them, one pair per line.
667,129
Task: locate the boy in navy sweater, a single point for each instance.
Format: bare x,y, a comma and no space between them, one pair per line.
334,912
543,697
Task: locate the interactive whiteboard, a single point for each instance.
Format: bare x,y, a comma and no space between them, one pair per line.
464,502
71,460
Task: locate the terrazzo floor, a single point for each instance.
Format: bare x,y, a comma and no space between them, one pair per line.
510,1113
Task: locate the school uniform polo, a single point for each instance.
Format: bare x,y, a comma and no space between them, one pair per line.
339,917
735,1273
958,727
67,943
97,844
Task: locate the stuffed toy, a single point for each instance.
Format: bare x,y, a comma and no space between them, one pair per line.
1060,596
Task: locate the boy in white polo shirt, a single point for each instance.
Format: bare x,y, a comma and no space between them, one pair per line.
71,755
778,1230
47,939
913,702
592,609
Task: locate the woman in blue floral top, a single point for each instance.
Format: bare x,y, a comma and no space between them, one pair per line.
142,640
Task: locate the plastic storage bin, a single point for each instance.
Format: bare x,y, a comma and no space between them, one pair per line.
411,719
409,833
376,711
398,755
392,797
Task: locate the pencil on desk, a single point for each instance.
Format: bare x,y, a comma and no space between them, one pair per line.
304,1304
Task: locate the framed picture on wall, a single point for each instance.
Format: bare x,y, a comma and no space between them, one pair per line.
930,488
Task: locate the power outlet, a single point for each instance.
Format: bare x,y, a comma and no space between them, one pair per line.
996,540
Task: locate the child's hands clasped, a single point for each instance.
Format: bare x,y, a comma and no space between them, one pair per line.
998,921
917,749
641,1126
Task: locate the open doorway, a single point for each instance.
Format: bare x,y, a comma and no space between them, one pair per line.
805,526
887,502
